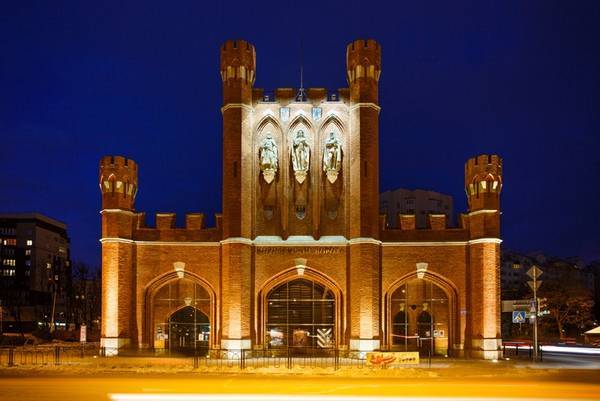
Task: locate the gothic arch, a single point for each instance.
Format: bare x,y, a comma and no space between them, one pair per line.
445,284
159,282
332,118
301,119
291,274
269,118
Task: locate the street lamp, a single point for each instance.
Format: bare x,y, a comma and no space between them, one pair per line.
534,284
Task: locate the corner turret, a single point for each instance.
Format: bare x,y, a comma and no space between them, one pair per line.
238,66
483,182
363,67
118,182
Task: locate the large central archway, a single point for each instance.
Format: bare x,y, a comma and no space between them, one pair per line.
300,312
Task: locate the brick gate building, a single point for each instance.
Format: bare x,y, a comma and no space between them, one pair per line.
300,256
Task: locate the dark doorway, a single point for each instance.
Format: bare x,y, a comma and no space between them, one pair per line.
189,331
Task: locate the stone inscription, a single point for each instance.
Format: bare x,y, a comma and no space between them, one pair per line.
313,250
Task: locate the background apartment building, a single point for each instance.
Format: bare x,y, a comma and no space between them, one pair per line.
418,202
35,271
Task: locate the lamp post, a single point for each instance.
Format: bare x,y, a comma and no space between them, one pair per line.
534,284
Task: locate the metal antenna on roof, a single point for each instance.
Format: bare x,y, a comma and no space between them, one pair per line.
301,96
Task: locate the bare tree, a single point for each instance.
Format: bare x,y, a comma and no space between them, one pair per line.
567,301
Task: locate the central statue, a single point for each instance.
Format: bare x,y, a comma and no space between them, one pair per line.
300,156
332,157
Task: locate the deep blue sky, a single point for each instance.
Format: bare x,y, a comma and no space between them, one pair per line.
79,80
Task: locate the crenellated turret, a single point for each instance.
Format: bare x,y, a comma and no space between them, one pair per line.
118,182
238,66
483,182
363,67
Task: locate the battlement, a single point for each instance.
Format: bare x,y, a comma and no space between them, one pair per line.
166,228
483,182
284,96
483,174
238,61
363,60
118,180
436,231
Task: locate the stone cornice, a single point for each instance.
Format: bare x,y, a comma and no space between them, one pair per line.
371,105
129,212
236,106
483,211
364,240
237,240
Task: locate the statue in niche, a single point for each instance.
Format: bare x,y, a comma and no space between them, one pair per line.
300,156
267,156
332,157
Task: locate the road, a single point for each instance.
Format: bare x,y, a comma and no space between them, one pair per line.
232,387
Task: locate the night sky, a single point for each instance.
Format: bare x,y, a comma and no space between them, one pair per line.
79,80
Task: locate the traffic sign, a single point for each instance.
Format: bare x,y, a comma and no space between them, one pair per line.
534,272
519,316
537,284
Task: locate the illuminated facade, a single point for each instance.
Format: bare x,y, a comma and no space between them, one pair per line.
300,256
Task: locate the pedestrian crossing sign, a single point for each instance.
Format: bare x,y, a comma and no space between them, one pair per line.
519,316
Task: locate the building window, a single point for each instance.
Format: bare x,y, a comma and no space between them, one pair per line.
27,252
8,262
10,241
29,242
516,266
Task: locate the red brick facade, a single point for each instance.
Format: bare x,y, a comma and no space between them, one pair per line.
328,232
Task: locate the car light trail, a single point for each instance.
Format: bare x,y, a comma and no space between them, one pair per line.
287,397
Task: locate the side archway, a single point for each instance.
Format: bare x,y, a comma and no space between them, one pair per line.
176,305
421,314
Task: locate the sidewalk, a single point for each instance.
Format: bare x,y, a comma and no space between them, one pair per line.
440,368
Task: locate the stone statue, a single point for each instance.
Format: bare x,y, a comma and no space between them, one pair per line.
268,159
332,157
300,156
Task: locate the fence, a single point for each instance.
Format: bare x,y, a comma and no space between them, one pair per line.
218,359
46,355
288,358
511,348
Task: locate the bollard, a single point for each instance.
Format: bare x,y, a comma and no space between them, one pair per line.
57,355
11,357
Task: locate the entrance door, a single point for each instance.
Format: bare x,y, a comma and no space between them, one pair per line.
420,318
189,331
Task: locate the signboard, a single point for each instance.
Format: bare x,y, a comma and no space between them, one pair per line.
324,338
83,333
389,359
519,316
534,272
516,304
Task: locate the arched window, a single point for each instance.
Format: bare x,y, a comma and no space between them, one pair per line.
300,314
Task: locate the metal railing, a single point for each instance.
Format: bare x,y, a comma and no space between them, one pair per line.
285,358
45,355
